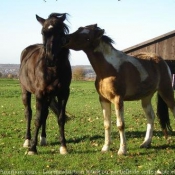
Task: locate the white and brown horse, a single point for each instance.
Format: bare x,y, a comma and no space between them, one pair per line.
121,77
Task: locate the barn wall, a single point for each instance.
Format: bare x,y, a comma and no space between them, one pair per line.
166,48
148,48
163,47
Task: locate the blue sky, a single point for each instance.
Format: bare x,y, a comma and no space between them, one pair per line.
128,22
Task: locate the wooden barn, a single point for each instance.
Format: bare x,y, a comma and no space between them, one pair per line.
163,45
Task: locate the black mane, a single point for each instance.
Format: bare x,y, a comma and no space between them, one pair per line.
107,39
65,28
56,15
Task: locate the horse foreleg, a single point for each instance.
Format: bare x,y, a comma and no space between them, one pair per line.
106,108
26,98
119,109
41,115
147,107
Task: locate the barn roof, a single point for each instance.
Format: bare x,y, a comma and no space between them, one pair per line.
151,41
163,45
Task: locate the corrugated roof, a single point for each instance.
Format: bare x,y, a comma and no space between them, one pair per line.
148,42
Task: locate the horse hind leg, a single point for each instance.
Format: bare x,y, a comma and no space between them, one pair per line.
58,107
61,118
43,140
52,103
54,107
147,107
61,123
26,99
45,112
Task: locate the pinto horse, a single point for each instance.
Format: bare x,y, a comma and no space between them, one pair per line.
45,71
120,78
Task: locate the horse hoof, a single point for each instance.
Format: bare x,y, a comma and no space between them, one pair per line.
122,153
26,143
30,153
105,148
43,141
63,150
145,145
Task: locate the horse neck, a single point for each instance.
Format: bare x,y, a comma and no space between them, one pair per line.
98,58
63,57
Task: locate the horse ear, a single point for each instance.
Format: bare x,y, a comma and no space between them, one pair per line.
92,26
63,17
40,20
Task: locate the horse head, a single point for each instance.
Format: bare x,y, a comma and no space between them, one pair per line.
53,31
84,37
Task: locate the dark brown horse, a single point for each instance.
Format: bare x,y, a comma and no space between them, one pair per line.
45,71
121,77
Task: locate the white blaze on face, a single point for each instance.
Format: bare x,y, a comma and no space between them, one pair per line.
85,31
50,27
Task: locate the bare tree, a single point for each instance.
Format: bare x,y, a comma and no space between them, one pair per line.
78,73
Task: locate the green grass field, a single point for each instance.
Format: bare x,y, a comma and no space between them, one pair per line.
85,137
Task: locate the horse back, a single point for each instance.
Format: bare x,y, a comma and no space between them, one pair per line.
158,66
157,76
28,51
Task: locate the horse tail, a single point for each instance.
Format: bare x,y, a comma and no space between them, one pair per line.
54,106
163,115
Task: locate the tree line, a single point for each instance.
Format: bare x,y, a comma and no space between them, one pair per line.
78,73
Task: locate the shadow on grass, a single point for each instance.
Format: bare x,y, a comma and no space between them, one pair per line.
80,139
140,134
115,136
